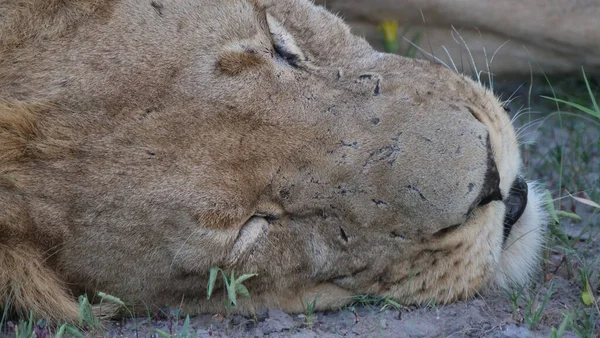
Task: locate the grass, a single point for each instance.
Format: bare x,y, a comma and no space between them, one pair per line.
33,327
583,321
88,322
557,333
310,307
233,286
184,332
566,156
392,44
382,303
528,305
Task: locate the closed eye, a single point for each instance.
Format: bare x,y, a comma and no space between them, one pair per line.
284,44
269,217
292,59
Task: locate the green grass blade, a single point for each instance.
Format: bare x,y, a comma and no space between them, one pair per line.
549,204
7,302
574,105
226,280
245,277
30,324
61,331
563,325
240,289
592,97
186,327
542,307
111,299
83,304
411,50
163,333
212,279
231,290
73,331
394,304
568,214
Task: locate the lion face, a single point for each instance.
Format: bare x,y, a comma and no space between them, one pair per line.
260,137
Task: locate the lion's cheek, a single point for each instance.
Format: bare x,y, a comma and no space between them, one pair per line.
454,267
521,254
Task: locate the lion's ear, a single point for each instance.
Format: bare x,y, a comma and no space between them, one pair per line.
284,43
238,58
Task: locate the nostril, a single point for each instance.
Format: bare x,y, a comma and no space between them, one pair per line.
491,181
515,204
490,192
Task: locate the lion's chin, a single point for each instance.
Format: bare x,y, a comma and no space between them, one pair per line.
520,254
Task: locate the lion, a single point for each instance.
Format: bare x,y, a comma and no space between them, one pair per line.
143,143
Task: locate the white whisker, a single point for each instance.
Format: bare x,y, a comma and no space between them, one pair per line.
426,53
450,57
180,248
487,64
497,49
512,96
475,71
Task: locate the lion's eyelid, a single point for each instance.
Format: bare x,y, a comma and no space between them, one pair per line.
284,43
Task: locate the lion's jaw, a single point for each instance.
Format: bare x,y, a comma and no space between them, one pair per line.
263,146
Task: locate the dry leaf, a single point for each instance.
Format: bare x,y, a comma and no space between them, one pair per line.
585,201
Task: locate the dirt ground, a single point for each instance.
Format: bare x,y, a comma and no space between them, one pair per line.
482,317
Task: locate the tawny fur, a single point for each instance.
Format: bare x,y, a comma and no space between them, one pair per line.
144,142
27,284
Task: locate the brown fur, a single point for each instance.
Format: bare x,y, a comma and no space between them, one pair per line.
31,20
17,125
27,284
143,143
235,62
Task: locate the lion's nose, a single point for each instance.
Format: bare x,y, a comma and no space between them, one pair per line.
515,204
490,190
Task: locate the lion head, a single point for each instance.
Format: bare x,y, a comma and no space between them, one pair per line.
144,142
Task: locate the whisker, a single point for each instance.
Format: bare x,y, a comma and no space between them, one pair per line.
510,98
53,251
475,71
425,53
181,247
497,49
519,238
529,124
426,31
487,64
526,130
450,57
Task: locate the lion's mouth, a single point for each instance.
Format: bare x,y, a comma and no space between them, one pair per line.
515,204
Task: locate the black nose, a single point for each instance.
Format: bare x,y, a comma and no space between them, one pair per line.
491,181
515,204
